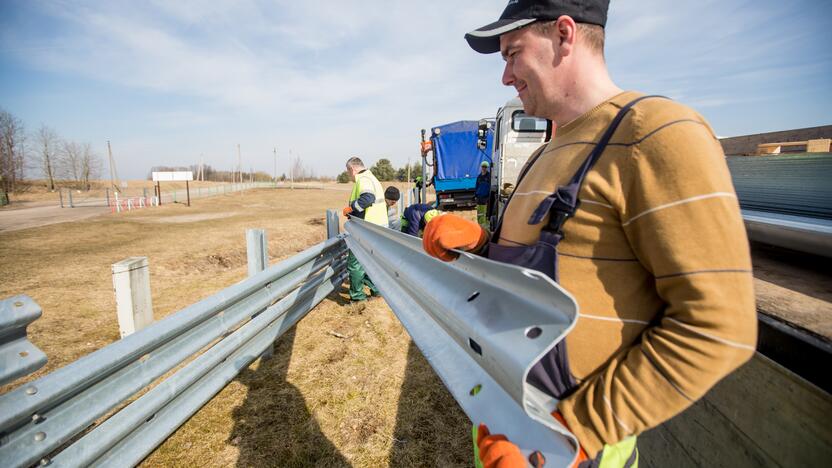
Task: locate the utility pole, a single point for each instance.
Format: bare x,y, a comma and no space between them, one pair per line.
291,171
201,175
275,166
239,163
113,174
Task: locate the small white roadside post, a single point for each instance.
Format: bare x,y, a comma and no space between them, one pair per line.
257,253
131,282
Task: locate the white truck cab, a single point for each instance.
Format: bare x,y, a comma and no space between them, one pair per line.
517,136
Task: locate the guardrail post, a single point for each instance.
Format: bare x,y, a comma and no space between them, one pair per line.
131,282
399,205
70,198
332,224
61,196
107,191
257,251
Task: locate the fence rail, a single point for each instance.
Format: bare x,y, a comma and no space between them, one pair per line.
222,334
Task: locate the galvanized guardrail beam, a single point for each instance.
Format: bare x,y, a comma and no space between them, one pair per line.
481,325
18,357
40,417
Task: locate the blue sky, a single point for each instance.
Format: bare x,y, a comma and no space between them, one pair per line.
167,81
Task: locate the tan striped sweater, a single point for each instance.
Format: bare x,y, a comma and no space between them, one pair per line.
657,258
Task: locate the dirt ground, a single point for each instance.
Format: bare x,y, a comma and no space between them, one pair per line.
369,399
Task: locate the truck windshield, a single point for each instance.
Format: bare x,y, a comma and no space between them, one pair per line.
520,122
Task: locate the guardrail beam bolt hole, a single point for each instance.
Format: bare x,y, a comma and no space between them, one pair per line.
473,296
475,390
533,332
475,346
23,353
18,304
536,459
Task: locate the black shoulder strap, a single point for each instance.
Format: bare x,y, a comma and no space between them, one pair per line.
523,171
563,203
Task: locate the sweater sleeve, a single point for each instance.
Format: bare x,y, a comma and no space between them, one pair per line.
680,215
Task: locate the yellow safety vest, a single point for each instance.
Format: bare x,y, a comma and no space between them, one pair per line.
366,182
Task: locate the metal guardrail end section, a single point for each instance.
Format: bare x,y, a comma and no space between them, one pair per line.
481,325
18,356
224,333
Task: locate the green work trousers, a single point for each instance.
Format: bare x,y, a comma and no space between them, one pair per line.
358,279
482,219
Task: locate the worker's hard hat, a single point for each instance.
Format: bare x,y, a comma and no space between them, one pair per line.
484,164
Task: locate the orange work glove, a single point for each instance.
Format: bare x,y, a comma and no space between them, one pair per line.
446,232
582,456
347,211
496,451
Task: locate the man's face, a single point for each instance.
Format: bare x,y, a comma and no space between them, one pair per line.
351,173
531,67
483,170
390,202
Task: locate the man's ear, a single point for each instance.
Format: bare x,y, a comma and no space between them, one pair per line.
566,30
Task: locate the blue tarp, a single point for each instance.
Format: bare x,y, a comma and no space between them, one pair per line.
457,156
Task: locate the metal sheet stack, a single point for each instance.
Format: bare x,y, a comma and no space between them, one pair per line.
795,184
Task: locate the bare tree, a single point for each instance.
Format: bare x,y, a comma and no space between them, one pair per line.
12,153
47,143
69,165
90,166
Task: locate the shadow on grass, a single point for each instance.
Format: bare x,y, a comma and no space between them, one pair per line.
273,427
431,429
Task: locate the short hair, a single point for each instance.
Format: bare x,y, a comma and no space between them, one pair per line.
392,193
592,35
355,162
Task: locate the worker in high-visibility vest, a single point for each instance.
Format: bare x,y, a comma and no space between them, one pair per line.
367,203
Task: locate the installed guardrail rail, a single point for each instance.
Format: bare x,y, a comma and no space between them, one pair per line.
481,325
52,420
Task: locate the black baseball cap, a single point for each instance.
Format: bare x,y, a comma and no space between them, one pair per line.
519,13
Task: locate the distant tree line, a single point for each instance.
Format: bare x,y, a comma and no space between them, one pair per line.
56,159
298,172
384,171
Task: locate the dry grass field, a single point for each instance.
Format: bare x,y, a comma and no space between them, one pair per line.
368,399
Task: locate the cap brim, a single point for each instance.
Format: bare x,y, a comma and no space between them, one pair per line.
486,40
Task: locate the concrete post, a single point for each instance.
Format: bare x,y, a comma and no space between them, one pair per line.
332,226
131,282
257,251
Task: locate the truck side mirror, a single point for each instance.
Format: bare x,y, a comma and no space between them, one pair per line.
482,134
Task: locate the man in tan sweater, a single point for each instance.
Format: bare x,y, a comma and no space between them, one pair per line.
654,249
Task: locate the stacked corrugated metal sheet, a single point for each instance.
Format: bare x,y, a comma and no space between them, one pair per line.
795,184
